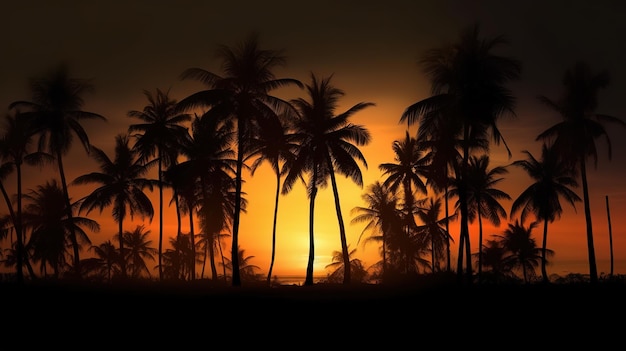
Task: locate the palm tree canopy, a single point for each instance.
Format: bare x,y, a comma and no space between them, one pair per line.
55,109
162,129
581,125
323,134
553,179
122,183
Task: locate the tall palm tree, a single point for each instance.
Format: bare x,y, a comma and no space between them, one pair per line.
553,179
483,198
328,144
574,137
50,229
56,109
242,95
160,135
411,166
438,136
122,185
468,84
208,170
15,146
276,146
381,215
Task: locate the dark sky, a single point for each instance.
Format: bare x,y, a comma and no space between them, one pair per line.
371,47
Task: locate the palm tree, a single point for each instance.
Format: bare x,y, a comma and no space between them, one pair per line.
326,146
381,215
208,173
411,166
276,146
138,249
553,179
574,137
57,100
248,270
357,269
122,185
524,253
110,258
14,151
434,229
495,258
243,96
160,133
468,88
50,229
482,196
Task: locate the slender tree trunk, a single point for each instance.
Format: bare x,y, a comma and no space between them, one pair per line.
593,270
544,246
68,205
448,263
122,256
342,229
160,217
480,245
192,235
308,280
234,254
608,215
19,227
276,197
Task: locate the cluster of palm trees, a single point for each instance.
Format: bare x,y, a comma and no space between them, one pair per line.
201,144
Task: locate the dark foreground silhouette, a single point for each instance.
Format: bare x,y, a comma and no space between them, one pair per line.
447,313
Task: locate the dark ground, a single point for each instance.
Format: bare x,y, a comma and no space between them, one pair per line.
445,314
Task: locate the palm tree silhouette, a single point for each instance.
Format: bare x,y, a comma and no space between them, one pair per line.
243,96
138,249
482,196
50,228
438,136
358,271
248,270
15,146
276,146
468,85
381,215
122,185
434,229
160,134
553,179
574,137
411,166
496,261
55,109
326,146
523,251
110,258
207,171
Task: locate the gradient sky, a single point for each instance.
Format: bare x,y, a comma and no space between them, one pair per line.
372,49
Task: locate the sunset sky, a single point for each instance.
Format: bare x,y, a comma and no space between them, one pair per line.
372,50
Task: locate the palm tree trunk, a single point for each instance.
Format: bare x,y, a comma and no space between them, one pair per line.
17,224
122,257
276,197
342,228
234,254
77,270
608,215
308,280
544,246
192,237
448,263
480,245
593,271
160,217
